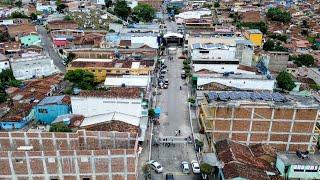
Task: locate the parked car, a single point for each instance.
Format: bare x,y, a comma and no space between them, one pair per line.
195,166
156,166
166,81
183,74
169,176
185,167
163,71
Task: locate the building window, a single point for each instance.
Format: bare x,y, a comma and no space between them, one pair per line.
93,70
311,168
45,111
298,168
108,71
121,102
127,72
204,52
117,71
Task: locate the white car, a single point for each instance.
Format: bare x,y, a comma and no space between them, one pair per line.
156,166
185,167
195,166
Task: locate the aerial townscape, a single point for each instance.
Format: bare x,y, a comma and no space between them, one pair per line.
159,89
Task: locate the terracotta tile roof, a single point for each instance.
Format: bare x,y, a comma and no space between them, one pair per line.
120,92
89,39
230,151
236,169
21,98
114,125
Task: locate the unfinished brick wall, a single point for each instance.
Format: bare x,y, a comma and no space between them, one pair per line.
260,125
47,141
222,125
73,163
283,113
284,123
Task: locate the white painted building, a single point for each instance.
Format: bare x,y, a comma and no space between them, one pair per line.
194,14
88,106
4,62
213,52
239,81
220,68
51,7
314,74
128,81
32,67
6,22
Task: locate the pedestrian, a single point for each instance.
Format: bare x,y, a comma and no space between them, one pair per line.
179,132
176,132
163,142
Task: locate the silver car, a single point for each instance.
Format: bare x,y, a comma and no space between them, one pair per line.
185,167
156,166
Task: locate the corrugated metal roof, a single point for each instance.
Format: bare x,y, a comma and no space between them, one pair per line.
51,100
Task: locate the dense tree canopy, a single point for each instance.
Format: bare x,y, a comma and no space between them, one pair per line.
144,13
271,45
276,14
284,81
81,78
262,26
121,9
303,60
59,127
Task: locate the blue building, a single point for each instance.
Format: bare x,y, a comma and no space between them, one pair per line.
298,166
49,108
16,118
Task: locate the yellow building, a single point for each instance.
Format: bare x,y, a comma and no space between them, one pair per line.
101,68
255,36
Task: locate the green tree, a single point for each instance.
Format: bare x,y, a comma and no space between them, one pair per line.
4,36
121,9
206,170
268,45
81,78
18,4
303,60
151,113
271,45
279,37
71,56
60,6
216,4
33,16
6,76
59,127
144,12
284,81
68,18
108,3
3,97
18,14
276,14
262,26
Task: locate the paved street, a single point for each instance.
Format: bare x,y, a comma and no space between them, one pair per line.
47,45
174,116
